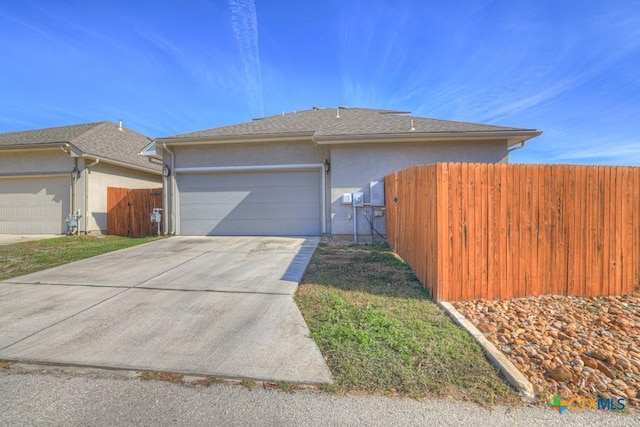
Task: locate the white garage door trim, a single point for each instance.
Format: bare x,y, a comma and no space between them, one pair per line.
260,168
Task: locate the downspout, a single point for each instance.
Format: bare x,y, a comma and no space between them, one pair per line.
169,212
67,150
516,147
86,191
74,190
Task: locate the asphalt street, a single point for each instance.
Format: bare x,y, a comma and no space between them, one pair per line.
42,396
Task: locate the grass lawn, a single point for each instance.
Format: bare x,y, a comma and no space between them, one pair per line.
27,257
380,332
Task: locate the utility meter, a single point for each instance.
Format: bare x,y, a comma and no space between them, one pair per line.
155,215
358,199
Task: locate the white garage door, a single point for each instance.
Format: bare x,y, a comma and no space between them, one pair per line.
253,204
34,205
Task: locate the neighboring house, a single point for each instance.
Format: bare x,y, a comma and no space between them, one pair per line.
46,174
287,174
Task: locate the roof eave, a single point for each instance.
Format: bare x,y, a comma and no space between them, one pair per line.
237,139
122,164
150,150
512,137
45,146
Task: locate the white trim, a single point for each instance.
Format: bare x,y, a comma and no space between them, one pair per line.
512,137
254,168
36,175
261,168
238,139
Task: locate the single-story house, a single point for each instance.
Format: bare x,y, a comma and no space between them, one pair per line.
47,174
301,173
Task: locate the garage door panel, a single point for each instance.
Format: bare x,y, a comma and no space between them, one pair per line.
34,205
265,203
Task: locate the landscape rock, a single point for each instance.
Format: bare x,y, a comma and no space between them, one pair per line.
486,328
567,346
591,363
561,374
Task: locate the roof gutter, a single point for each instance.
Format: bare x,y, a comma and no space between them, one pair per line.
516,147
513,137
236,139
47,146
121,164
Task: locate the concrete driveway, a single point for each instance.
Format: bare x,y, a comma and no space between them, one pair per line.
219,306
9,239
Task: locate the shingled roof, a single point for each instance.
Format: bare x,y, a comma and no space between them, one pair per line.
104,140
325,124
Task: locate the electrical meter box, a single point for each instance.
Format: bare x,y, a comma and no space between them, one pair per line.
377,193
346,199
72,221
155,215
358,199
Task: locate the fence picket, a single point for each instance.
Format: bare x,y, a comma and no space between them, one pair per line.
501,231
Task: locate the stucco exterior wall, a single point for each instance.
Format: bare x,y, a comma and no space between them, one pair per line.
100,177
353,166
30,161
273,153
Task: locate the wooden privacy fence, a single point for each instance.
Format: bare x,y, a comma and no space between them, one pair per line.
129,211
499,231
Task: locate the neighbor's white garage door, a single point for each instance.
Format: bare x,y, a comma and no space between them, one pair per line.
34,205
257,203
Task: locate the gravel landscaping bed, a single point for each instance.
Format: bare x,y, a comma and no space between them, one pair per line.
567,346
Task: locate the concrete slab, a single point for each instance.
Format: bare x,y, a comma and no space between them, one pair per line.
28,309
125,268
202,333
10,239
266,272
195,305
231,244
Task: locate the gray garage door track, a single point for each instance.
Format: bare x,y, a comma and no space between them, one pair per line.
219,306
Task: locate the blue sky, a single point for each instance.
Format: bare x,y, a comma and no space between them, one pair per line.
570,68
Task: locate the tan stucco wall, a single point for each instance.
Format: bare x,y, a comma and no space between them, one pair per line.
100,177
354,166
35,161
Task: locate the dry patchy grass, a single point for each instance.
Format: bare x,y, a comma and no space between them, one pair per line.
381,333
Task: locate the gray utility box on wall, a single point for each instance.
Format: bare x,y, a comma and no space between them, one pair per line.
376,191
358,199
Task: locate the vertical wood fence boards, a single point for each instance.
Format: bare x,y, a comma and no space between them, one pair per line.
501,231
129,211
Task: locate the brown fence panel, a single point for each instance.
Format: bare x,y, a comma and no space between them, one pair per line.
503,231
128,211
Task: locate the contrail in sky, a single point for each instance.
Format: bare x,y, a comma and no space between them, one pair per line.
244,22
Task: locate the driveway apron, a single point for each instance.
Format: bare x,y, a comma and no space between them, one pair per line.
214,306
